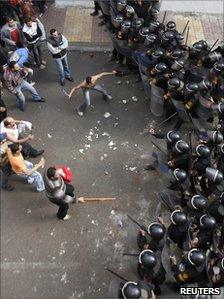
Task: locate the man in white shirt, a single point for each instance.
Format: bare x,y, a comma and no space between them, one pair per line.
10,126
57,45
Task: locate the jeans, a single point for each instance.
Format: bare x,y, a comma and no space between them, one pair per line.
35,178
20,96
63,206
62,67
86,93
37,52
4,174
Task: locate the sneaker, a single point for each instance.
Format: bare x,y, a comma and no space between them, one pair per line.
95,13
70,79
67,217
30,181
41,67
109,97
149,168
41,100
80,113
62,83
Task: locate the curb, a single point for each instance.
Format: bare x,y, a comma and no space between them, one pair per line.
91,47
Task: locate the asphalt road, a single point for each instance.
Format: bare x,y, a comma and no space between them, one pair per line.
42,257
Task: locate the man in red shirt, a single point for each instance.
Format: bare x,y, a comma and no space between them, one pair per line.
11,34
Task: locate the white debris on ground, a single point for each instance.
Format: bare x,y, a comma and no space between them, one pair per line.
107,114
134,99
49,135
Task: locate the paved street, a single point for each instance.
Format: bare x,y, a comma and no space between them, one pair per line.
46,258
82,30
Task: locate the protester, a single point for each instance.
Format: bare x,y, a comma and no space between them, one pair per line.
88,85
15,83
34,34
20,56
59,192
11,34
25,169
57,45
10,126
97,8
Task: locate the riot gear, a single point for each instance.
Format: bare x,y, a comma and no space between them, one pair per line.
180,175
172,136
175,84
196,257
176,54
130,10
154,25
121,5
222,148
150,39
207,222
161,67
203,151
171,25
131,290
168,36
179,38
178,64
117,21
214,175
156,231
138,23
143,32
215,136
192,87
158,53
198,202
178,218
147,259
219,67
154,12
214,56
205,85
181,147
125,26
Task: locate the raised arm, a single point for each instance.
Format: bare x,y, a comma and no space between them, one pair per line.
98,76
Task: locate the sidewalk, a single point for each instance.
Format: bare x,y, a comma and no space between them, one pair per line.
82,30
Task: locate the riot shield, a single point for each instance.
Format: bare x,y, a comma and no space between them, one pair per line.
187,244
145,78
114,289
157,101
199,124
105,6
166,199
121,46
216,241
204,108
181,110
169,250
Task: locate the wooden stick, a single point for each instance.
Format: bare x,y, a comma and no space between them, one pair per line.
185,27
86,199
213,45
188,29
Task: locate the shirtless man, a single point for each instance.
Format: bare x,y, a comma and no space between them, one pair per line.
90,84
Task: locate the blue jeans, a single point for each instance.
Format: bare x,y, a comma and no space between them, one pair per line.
35,178
62,67
20,96
86,93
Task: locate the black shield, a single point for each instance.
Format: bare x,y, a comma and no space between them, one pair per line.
204,108
181,110
105,6
157,101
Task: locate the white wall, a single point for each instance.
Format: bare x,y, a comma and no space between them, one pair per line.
205,6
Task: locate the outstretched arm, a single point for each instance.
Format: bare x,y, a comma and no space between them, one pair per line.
74,89
96,77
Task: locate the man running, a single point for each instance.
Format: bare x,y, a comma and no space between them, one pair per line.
90,84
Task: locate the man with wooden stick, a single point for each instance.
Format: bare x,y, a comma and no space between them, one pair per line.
61,193
90,84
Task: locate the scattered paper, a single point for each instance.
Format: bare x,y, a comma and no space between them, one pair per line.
107,114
